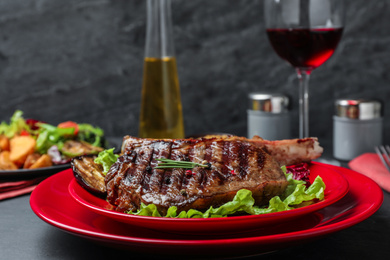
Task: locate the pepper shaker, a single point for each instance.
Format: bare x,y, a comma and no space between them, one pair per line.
357,127
268,116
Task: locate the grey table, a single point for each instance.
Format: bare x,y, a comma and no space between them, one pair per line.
25,236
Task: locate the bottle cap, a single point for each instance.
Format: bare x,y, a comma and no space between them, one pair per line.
362,109
271,103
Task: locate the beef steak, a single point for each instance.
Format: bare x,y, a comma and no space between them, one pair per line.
234,164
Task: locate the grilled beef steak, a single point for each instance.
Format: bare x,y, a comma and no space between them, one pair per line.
286,152
234,164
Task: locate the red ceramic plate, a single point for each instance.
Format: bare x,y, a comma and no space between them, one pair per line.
336,188
52,202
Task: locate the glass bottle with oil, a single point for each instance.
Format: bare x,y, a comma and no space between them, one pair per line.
161,109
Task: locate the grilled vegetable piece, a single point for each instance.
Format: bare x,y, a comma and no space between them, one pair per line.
89,174
74,148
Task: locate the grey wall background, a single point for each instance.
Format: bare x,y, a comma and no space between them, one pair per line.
82,60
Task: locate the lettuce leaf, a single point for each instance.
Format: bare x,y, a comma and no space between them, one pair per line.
50,135
16,126
91,134
106,158
243,202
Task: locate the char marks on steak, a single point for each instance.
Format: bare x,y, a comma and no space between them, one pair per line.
235,164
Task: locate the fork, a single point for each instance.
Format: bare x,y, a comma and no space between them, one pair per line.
383,153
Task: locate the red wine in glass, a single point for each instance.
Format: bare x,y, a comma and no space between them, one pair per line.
305,48
305,33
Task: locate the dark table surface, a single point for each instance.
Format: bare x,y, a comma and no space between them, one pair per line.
26,236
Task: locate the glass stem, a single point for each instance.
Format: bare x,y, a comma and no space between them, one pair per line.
303,77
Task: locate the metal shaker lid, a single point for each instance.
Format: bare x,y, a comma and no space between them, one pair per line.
271,103
359,108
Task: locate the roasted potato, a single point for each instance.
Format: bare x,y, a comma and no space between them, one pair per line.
4,143
20,148
5,162
30,160
43,161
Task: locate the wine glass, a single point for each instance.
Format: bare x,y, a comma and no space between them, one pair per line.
305,33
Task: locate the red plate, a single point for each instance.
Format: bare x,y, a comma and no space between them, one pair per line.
336,188
52,202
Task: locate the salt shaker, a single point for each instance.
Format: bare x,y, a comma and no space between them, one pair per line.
268,116
357,127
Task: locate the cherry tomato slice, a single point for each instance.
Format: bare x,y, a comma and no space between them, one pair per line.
24,133
69,124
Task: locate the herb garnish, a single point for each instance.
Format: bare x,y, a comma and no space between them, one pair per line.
167,163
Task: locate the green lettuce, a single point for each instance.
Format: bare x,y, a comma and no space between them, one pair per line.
91,134
295,195
16,126
106,158
50,135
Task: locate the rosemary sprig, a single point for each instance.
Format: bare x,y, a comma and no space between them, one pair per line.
168,163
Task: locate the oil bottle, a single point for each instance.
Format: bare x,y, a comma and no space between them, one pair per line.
161,109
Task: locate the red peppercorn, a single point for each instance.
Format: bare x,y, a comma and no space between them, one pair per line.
233,172
188,172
